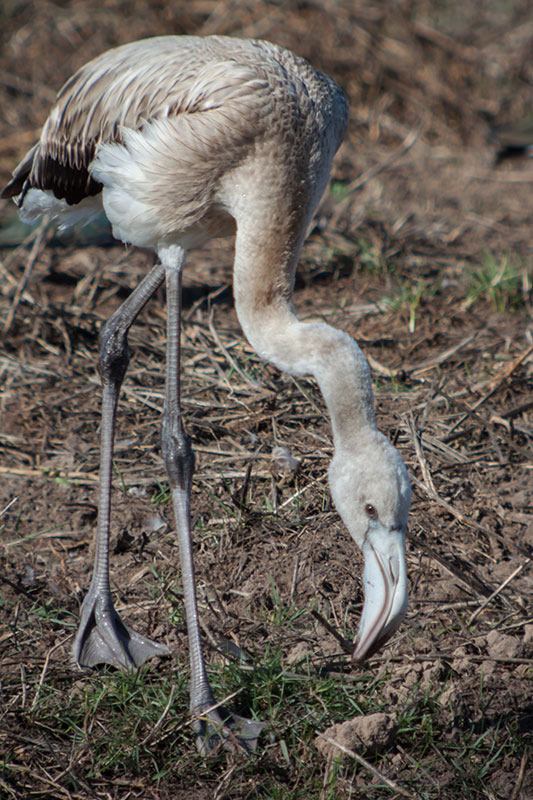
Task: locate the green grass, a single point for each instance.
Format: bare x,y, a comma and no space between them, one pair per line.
121,723
95,729
109,717
49,612
161,496
408,297
339,190
372,260
502,281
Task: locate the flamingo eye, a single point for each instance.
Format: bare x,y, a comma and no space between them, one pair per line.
371,511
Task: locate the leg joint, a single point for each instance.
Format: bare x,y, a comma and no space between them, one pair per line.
177,452
114,354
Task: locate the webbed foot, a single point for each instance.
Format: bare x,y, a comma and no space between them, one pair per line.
103,638
218,728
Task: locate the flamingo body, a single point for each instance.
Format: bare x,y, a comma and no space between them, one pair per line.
182,139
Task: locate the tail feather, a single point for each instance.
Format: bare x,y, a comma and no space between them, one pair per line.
17,185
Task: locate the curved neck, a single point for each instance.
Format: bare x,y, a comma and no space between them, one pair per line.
341,371
343,375
263,281
325,353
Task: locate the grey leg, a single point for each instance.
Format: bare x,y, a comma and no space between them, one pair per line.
102,637
216,727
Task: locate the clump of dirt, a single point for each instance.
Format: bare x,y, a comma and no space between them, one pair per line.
367,734
500,645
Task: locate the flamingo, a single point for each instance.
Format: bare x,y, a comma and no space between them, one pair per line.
181,139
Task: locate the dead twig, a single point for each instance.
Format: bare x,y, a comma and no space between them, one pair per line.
520,779
30,262
6,508
159,722
419,450
494,385
407,143
79,477
369,767
45,670
420,366
231,361
465,573
497,591
344,643
469,522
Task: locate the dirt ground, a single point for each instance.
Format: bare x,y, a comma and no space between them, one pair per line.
422,251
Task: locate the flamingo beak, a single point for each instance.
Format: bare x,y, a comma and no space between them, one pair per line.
385,582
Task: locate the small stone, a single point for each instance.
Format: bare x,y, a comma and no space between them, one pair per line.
154,522
431,673
487,668
299,652
500,645
412,675
447,696
528,634
461,665
283,461
29,576
423,645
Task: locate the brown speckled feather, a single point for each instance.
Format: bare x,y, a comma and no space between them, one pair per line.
220,92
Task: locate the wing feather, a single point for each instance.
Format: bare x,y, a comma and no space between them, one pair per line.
229,84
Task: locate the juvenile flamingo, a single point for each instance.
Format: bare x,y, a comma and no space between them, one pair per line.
181,139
